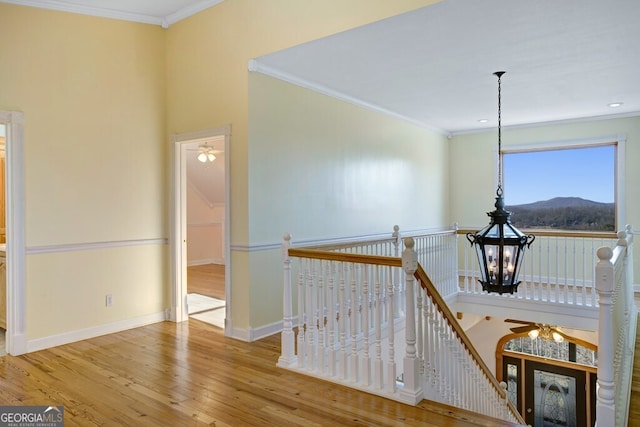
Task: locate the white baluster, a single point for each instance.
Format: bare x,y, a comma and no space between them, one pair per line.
311,318
366,361
301,314
331,320
342,319
441,355
575,273
378,375
419,332
390,381
287,337
566,272
398,288
353,323
321,308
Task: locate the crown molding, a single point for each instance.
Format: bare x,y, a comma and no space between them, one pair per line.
163,21
258,67
188,11
625,115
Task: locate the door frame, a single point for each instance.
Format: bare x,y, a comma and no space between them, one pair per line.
16,336
178,236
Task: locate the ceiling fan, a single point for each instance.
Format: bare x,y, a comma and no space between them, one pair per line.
206,153
535,330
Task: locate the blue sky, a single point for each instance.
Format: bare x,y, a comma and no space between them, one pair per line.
588,173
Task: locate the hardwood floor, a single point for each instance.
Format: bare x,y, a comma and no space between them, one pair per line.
634,402
207,279
189,374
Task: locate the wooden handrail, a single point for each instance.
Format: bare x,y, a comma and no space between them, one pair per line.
559,233
346,257
442,306
349,244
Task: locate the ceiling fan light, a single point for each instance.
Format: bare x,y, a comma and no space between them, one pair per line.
210,156
533,334
202,156
557,337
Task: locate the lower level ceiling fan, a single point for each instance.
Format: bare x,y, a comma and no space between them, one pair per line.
535,330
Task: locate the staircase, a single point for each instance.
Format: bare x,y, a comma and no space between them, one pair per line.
358,314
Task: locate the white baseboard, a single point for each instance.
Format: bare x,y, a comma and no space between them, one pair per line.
255,334
92,332
218,261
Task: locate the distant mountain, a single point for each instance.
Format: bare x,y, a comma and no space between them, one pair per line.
562,202
564,213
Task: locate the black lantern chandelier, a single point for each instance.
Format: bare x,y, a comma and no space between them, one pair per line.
500,246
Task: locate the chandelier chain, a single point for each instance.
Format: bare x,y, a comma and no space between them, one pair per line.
499,74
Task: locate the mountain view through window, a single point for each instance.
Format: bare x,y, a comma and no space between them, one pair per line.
563,189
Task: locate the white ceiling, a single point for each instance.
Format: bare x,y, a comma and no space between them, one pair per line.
157,12
565,60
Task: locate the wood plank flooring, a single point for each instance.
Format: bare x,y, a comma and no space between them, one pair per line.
207,279
634,402
190,374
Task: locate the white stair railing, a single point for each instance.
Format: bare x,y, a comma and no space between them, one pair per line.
346,320
352,301
437,253
557,268
349,330
616,330
451,368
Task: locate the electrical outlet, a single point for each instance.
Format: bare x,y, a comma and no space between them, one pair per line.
108,300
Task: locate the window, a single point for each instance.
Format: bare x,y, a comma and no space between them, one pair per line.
563,187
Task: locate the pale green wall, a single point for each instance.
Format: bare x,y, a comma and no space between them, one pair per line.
208,86
472,165
320,167
92,93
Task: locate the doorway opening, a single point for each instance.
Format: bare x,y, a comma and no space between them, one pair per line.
201,227
12,123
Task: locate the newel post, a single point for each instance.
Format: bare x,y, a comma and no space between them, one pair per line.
287,352
629,263
412,391
605,405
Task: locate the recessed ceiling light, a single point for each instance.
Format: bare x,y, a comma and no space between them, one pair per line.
483,121
615,104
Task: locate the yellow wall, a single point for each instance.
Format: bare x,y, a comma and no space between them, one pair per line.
207,86
472,160
100,98
92,92
208,55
